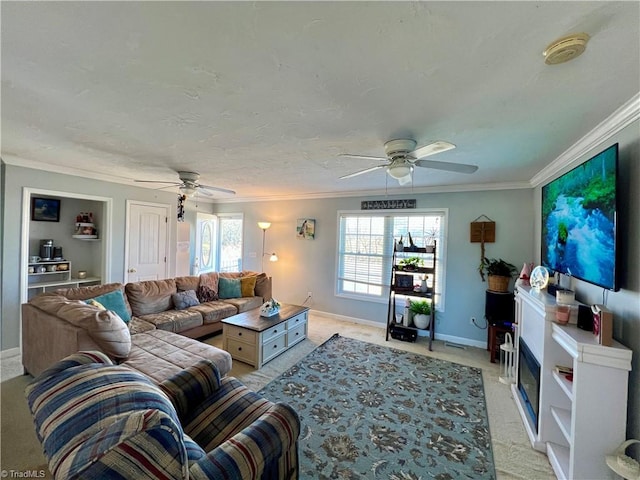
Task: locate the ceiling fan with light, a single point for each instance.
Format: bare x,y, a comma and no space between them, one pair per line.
189,186
402,156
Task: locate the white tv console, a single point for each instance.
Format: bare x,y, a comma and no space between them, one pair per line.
579,421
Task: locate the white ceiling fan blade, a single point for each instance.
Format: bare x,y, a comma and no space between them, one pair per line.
216,189
432,149
364,157
366,170
448,166
154,181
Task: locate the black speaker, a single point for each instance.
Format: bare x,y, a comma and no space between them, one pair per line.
585,318
498,307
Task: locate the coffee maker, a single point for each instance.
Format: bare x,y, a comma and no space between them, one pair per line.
46,249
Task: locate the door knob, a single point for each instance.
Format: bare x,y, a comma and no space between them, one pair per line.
132,270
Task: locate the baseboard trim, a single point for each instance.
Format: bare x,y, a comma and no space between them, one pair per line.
9,352
446,338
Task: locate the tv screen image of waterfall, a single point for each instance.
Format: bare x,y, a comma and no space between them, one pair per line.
579,221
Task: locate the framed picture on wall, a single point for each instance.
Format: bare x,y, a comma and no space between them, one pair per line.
306,228
45,209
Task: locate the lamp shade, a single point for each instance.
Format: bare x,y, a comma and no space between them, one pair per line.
264,225
273,257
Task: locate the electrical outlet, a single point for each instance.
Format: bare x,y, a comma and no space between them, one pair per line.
309,295
472,320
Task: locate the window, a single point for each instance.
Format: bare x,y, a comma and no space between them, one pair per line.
230,242
365,248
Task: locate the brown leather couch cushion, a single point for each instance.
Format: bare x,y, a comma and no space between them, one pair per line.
214,311
174,320
151,296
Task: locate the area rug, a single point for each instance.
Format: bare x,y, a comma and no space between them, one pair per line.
369,411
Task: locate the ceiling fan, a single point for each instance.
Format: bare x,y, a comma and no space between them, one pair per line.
402,156
189,186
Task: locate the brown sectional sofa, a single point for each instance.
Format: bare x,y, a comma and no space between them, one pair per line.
157,341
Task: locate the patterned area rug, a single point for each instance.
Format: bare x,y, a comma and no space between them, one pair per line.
376,412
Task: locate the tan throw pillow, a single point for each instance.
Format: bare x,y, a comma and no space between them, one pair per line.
248,285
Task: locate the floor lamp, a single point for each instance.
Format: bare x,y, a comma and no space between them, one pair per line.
272,256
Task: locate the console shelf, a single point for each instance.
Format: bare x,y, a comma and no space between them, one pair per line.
579,420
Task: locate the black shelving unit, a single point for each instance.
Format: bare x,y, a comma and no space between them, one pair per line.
400,286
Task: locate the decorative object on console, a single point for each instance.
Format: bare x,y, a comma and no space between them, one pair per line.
270,308
525,274
602,324
539,278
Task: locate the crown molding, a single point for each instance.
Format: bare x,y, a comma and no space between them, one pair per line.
618,120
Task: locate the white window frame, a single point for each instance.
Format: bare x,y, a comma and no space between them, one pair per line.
441,252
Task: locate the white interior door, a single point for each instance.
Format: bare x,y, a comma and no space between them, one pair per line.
147,242
206,234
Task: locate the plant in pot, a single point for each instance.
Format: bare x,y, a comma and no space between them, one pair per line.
421,311
499,273
410,263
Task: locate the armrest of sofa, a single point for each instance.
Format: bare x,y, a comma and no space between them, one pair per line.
268,444
192,386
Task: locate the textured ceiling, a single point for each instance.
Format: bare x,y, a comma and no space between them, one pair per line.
261,97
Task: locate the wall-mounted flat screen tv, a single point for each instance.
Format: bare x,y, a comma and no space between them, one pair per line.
579,221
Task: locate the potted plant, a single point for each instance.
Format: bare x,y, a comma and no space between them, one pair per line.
499,273
410,263
421,311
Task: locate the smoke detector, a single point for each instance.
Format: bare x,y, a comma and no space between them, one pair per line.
565,48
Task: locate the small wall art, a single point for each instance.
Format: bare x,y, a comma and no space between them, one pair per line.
306,228
45,209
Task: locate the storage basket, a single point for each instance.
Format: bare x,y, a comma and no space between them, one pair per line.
498,284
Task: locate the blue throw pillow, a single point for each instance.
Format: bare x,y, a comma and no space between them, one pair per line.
186,299
114,301
229,288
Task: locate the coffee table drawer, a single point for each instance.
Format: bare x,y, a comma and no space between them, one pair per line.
242,351
297,320
273,332
274,347
297,333
238,333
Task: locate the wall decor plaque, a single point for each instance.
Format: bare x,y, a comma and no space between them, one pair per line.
387,204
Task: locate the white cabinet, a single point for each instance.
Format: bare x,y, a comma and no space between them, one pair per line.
579,420
45,276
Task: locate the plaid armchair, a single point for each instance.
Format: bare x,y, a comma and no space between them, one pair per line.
99,420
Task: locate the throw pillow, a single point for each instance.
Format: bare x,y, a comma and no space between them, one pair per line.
206,294
114,301
248,285
229,288
186,299
91,301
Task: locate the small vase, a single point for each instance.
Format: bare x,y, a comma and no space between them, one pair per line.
423,286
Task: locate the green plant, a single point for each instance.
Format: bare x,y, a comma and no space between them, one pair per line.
411,262
499,267
422,307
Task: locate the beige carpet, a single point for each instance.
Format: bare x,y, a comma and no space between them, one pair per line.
514,458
